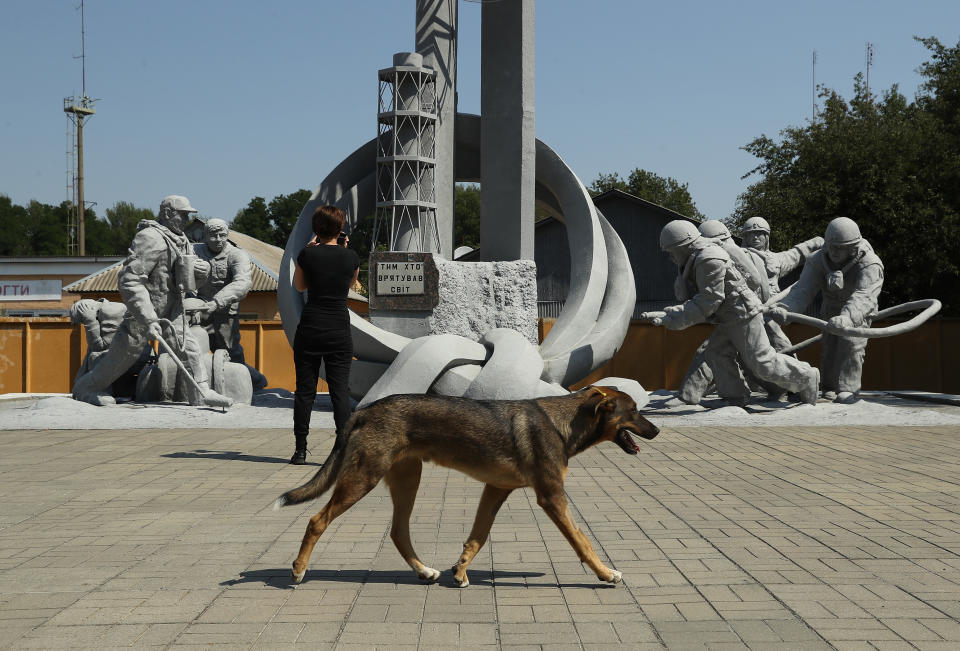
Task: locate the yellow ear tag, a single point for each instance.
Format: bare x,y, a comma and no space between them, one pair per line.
602,393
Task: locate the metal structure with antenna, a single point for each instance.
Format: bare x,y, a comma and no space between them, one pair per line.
78,109
869,63
813,112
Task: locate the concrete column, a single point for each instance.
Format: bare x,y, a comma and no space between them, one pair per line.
507,137
436,40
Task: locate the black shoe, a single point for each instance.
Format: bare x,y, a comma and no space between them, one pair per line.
299,458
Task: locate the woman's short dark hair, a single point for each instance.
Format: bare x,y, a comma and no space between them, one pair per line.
327,221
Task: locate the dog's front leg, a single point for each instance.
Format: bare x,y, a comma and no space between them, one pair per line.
555,504
490,502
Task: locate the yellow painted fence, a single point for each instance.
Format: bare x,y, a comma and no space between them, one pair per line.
42,355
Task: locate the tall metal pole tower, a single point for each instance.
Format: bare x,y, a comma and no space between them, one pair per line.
813,96
869,63
78,109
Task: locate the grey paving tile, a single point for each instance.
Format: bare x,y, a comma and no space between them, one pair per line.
728,538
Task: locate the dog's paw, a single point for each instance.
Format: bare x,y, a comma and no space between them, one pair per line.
615,577
297,576
428,574
460,583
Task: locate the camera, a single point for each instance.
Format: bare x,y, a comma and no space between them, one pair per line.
342,239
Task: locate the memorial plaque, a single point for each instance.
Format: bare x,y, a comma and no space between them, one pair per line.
399,278
403,281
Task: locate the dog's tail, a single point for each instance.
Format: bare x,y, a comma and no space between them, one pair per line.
321,482
318,484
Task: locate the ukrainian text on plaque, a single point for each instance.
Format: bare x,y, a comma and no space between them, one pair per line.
399,278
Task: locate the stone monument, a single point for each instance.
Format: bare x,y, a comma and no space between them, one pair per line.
158,280
472,331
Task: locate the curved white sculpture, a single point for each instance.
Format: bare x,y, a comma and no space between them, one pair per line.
588,332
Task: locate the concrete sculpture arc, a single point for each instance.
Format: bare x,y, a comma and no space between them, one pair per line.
595,317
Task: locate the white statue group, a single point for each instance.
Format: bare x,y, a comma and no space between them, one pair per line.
184,296
738,290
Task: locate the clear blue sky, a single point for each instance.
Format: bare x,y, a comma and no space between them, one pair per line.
226,100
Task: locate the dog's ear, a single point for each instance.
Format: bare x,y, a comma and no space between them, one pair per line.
604,399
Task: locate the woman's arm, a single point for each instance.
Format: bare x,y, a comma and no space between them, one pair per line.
299,281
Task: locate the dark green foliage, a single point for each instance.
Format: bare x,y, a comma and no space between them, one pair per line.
121,224
466,215
271,223
665,191
891,165
254,221
14,239
41,229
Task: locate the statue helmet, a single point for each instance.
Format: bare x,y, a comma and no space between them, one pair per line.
714,228
842,231
678,233
177,203
756,224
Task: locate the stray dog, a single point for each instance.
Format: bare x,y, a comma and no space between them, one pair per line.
506,444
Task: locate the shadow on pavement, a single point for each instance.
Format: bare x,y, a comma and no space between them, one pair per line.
227,455
280,578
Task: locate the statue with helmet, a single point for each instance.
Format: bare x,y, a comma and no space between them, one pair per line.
848,275
159,271
713,289
777,264
699,376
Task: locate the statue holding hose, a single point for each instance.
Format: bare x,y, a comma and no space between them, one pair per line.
714,289
849,276
159,269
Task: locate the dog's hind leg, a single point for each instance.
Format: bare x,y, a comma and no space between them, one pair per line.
349,489
490,502
555,504
403,480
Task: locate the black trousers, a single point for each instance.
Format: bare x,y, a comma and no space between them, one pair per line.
311,347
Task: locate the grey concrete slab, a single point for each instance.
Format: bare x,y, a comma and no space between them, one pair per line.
754,537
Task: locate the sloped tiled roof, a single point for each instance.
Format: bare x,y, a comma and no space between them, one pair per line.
266,268
265,258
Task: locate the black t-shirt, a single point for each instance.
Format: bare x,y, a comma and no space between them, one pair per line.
328,270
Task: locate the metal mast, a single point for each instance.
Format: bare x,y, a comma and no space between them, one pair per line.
78,109
813,113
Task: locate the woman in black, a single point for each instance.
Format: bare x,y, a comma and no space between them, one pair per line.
326,269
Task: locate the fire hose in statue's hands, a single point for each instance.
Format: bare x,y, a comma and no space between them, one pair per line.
202,397
928,307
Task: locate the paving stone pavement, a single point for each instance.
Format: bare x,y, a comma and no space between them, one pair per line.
728,538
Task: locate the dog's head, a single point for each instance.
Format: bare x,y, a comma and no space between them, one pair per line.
619,418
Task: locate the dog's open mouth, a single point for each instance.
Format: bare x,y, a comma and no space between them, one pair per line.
625,441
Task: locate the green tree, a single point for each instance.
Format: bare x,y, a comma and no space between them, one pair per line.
254,220
284,211
14,238
273,222
889,164
466,215
47,227
665,191
122,222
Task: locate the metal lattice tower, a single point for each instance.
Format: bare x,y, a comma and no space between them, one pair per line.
406,218
77,109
